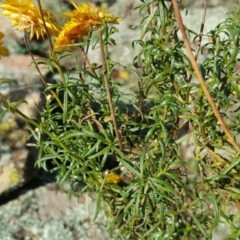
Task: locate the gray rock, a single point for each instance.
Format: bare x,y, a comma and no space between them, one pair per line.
46,213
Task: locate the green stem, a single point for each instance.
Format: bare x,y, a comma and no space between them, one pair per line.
202,82
106,72
39,72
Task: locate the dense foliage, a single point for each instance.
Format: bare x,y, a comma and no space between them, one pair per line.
129,150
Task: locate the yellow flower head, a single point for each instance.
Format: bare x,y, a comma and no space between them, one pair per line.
82,20
3,50
70,34
26,16
91,14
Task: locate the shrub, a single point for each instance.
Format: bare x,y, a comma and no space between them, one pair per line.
127,150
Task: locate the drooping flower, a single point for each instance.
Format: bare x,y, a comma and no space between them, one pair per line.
26,16
3,50
91,14
82,20
70,34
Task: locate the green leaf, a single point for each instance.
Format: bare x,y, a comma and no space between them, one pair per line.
231,166
216,210
199,225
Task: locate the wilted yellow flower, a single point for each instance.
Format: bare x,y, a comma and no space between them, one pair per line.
26,16
91,14
3,50
70,34
82,20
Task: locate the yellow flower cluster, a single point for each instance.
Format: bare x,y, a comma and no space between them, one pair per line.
3,50
83,19
26,16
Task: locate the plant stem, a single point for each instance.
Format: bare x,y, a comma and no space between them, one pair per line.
45,27
105,75
39,72
201,80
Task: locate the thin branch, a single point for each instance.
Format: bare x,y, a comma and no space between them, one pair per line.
45,27
33,59
201,80
105,75
200,35
39,72
201,30
53,54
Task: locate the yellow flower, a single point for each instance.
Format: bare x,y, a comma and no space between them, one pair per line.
26,16
83,19
70,34
3,50
91,14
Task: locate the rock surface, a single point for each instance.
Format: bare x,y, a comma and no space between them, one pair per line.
16,159
47,213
